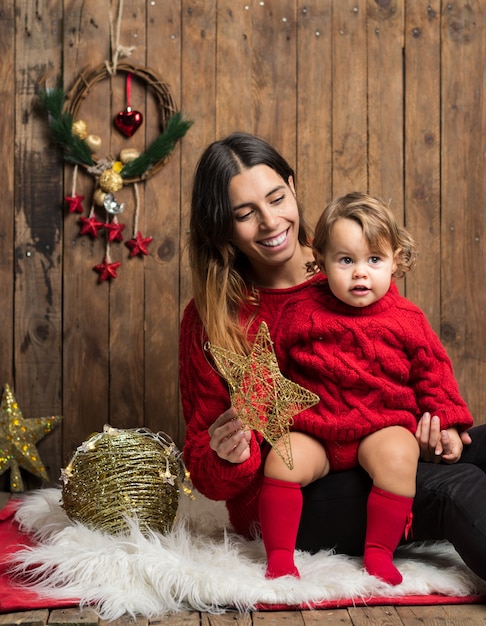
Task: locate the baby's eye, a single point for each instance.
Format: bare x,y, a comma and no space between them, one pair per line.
374,260
346,260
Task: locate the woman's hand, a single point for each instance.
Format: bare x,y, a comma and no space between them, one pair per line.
439,445
229,438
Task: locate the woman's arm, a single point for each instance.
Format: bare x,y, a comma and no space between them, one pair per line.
205,401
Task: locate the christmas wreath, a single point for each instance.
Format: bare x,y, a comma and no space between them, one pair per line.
80,147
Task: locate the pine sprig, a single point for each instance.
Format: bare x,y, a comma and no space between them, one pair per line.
52,101
161,147
74,148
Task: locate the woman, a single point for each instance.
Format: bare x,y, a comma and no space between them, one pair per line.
250,255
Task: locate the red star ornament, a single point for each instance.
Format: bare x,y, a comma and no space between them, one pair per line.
90,226
114,230
75,203
138,245
107,270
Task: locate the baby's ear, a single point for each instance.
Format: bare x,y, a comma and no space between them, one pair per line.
397,258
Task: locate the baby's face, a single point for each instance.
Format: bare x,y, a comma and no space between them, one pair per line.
357,274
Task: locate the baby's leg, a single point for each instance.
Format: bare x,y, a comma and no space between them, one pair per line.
390,456
280,504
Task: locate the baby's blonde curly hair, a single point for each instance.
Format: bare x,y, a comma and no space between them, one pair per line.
379,226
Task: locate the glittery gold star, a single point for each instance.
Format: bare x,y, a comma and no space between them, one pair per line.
18,437
264,399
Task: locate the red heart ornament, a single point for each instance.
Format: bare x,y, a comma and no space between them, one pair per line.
128,121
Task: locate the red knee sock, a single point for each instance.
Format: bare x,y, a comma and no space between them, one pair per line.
280,509
389,517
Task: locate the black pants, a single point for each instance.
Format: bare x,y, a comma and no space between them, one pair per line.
450,503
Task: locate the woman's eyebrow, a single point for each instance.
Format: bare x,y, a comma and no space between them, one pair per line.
241,206
245,204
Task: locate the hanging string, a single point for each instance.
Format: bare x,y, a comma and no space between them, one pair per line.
117,50
137,207
75,174
107,251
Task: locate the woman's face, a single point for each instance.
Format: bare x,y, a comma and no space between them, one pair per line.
265,219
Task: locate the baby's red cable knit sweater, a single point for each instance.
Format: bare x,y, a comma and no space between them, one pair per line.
372,367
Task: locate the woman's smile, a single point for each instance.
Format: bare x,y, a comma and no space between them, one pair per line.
274,242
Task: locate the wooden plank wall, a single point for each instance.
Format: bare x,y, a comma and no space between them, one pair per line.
384,95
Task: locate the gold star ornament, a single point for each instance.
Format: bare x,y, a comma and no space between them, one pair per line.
18,437
264,399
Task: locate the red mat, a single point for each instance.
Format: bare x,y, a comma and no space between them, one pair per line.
15,598
390,601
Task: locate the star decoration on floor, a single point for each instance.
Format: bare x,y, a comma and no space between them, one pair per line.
107,270
18,437
90,226
264,399
75,203
138,245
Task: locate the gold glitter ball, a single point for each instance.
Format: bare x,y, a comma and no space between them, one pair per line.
118,475
80,129
110,181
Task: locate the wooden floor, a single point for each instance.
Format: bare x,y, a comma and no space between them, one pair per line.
454,615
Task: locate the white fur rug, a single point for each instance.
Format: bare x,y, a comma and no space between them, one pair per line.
202,565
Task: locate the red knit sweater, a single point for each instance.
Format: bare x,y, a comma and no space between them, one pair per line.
372,367
289,314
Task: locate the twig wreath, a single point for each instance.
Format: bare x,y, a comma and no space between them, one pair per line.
80,148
